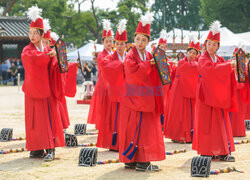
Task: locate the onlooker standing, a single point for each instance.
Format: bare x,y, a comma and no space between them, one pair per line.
87,72
94,71
5,68
14,72
20,69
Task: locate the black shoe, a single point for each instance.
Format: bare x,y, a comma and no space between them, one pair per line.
147,166
179,142
227,158
37,154
50,155
130,165
113,150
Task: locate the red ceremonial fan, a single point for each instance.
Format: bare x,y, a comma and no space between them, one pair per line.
241,66
61,55
162,65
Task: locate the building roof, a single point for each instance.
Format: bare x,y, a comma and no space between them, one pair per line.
14,29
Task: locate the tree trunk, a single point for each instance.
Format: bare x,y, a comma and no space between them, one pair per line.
8,7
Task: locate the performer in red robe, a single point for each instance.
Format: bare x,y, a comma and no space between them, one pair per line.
67,85
100,99
212,128
141,138
42,123
181,111
165,89
238,118
112,69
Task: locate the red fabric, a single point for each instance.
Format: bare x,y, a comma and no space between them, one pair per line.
195,46
100,98
113,72
181,112
238,118
42,118
106,34
247,115
150,144
35,62
212,127
62,85
47,35
70,84
161,41
143,29
122,37
167,89
213,37
37,24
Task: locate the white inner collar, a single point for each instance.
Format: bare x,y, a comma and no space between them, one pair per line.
39,49
110,52
143,58
215,58
122,58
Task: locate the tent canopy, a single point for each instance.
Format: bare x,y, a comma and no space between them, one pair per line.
85,52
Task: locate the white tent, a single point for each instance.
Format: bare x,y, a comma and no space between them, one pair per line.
229,40
85,52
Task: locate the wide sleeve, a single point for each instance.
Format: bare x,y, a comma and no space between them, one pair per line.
137,71
188,72
112,71
215,83
56,83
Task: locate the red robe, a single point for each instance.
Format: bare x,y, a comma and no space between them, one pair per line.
65,86
212,127
238,118
167,91
100,99
140,105
181,112
42,121
113,73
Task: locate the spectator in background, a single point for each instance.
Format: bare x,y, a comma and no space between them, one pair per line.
87,72
5,68
20,69
8,61
14,72
94,71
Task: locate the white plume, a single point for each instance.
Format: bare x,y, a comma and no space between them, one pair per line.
46,25
122,26
54,36
34,13
193,38
106,24
215,27
163,34
147,18
242,45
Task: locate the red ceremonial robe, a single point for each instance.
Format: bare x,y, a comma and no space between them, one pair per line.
42,121
167,91
181,112
99,101
66,85
212,127
238,118
113,73
139,109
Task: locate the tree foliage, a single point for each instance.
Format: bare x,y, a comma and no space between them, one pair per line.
233,14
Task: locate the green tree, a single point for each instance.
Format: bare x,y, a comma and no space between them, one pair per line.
233,14
171,14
